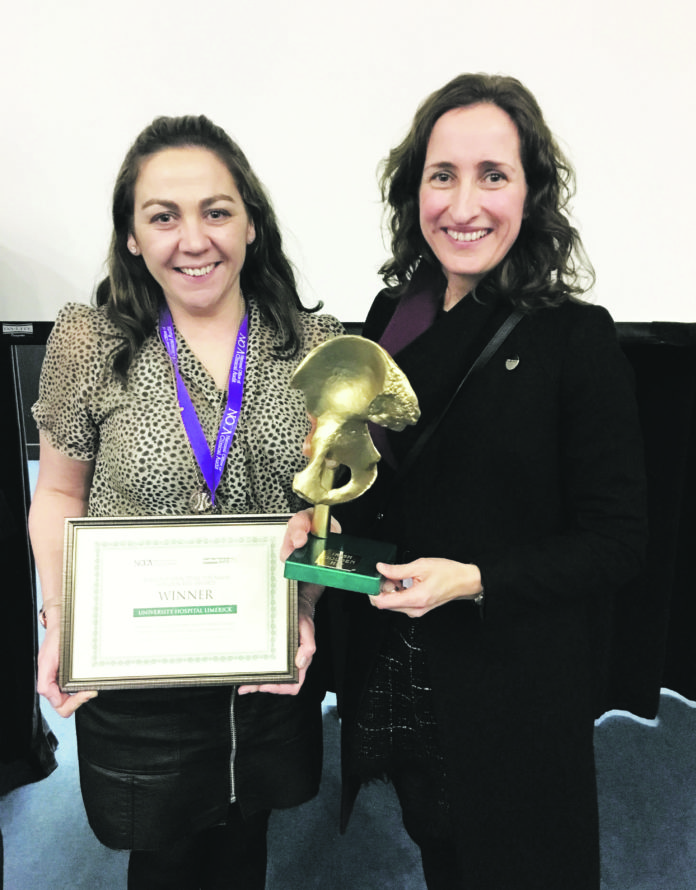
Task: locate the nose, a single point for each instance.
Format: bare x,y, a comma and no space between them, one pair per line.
466,202
193,236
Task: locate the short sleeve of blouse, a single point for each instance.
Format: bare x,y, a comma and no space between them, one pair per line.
319,328
72,367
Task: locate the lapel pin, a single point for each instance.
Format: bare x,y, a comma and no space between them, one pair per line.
512,363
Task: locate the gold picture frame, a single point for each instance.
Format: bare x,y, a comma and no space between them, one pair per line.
176,601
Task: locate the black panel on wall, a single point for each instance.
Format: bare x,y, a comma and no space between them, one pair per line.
26,745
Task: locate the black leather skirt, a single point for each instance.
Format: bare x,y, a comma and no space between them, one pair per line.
160,765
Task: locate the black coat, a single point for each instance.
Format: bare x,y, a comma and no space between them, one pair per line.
536,476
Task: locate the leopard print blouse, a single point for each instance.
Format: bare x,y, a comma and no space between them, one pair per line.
143,463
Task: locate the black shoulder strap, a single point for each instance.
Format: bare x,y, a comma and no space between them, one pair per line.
480,362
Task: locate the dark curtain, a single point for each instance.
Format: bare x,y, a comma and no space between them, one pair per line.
26,743
664,356
653,616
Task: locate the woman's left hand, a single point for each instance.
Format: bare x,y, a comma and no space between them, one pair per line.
415,588
309,594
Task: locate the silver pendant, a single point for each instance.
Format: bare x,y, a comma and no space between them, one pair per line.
512,363
200,500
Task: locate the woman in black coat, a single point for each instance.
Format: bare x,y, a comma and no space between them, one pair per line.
469,681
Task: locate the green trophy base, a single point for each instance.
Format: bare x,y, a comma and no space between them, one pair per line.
340,561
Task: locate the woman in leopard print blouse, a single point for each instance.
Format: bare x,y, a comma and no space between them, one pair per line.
184,778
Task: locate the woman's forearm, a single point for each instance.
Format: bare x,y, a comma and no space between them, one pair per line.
46,531
62,491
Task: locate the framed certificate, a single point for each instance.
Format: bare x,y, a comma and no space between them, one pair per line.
176,601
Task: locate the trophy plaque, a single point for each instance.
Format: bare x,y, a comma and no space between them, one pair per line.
346,382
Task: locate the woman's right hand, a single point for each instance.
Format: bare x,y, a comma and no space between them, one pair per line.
47,682
298,529
296,532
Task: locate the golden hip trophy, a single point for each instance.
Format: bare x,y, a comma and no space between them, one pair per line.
346,382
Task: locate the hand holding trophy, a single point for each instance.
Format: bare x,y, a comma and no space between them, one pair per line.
346,382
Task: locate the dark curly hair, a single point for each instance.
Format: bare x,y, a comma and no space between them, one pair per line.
130,293
547,264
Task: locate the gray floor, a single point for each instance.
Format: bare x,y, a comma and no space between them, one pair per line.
646,775
647,795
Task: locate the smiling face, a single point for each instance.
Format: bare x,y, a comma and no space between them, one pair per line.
472,194
191,227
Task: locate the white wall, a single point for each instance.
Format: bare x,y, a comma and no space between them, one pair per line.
316,93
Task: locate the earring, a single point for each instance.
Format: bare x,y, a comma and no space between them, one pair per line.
134,250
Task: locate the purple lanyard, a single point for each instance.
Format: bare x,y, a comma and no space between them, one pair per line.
211,465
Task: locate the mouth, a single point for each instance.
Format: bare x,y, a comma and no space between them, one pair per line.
196,271
467,236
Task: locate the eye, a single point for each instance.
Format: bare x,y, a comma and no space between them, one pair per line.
441,177
163,218
217,213
495,177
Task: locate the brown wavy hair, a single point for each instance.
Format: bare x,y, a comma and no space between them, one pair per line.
130,293
547,263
